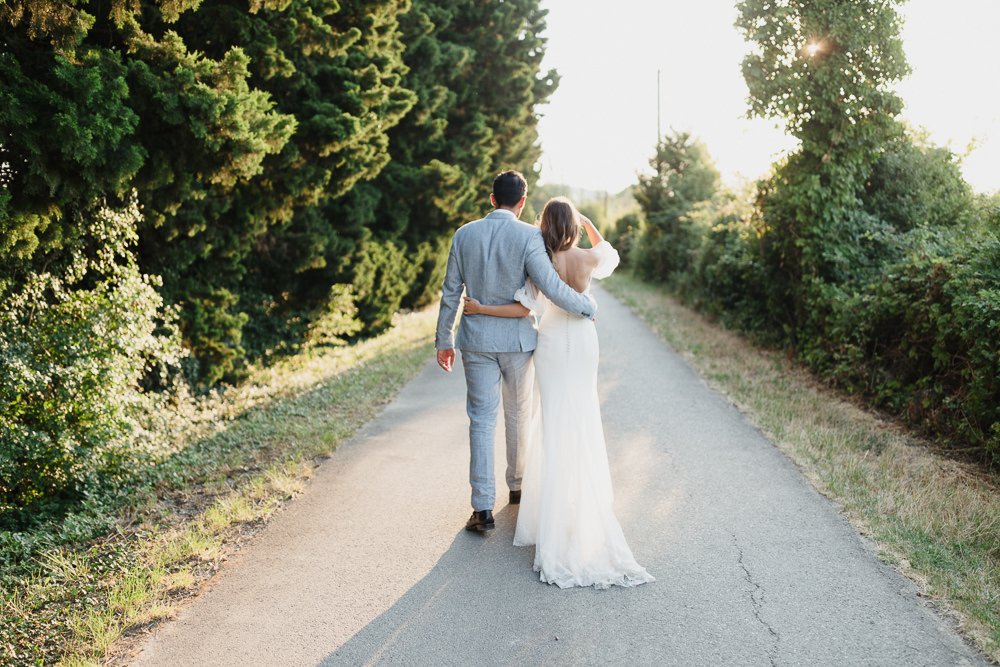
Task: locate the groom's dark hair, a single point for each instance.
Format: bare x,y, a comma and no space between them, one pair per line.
508,187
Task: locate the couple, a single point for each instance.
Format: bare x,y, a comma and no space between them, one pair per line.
510,271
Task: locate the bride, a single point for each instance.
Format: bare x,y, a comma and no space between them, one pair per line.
567,501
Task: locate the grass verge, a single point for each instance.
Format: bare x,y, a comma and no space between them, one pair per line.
936,519
236,459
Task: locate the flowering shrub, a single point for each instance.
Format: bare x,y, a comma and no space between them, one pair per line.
73,349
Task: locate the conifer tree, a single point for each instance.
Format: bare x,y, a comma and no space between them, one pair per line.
475,67
336,68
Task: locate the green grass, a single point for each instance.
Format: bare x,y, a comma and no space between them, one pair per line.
222,465
934,518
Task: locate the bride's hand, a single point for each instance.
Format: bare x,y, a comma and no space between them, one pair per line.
472,307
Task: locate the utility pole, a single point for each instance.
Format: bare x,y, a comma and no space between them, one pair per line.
659,135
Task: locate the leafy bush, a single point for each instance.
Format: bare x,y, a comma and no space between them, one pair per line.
915,184
921,340
728,279
73,348
214,333
666,254
625,235
907,315
893,293
684,179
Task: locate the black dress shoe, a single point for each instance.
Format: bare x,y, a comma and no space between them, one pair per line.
515,497
481,521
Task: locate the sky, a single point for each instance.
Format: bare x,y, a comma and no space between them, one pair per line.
599,128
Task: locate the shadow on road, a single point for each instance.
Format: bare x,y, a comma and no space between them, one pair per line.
483,604
460,597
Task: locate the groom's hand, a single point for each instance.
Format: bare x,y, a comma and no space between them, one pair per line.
446,359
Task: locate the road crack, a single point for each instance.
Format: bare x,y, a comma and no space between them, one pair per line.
757,603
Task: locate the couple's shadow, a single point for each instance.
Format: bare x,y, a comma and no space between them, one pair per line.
461,609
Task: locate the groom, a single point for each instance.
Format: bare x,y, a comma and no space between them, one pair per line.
490,259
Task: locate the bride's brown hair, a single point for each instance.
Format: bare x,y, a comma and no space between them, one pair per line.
560,225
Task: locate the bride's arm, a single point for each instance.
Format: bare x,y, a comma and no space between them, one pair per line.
473,307
592,233
604,257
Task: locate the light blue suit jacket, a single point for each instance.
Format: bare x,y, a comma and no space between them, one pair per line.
491,259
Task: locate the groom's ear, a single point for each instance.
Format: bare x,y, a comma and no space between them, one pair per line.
493,200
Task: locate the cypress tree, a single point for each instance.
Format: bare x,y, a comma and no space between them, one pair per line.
336,67
66,135
284,153
101,100
475,67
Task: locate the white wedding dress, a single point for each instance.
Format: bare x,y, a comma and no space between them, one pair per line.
567,500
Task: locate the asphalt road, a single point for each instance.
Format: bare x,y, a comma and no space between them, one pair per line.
372,565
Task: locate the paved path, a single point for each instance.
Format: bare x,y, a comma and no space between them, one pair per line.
371,564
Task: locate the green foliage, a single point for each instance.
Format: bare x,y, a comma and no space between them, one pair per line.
73,348
337,68
422,86
684,175
431,261
340,321
298,165
726,277
625,235
921,338
864,250
208,134
915,327
475,69
684,178
915,184
383,276
67,142
861,275
134,111
824,69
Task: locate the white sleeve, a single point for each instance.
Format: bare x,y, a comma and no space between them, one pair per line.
531,298
607,259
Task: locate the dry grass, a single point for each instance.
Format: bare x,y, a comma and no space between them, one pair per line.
936,519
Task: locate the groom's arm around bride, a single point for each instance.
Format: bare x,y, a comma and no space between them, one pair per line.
490,259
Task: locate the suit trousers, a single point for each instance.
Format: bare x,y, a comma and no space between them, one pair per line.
488,375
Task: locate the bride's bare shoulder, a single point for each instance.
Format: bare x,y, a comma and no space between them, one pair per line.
574,254
588,255
577,254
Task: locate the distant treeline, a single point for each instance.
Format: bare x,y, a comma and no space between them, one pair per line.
198,184
864,251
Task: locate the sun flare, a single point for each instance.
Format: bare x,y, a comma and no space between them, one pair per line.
608,62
